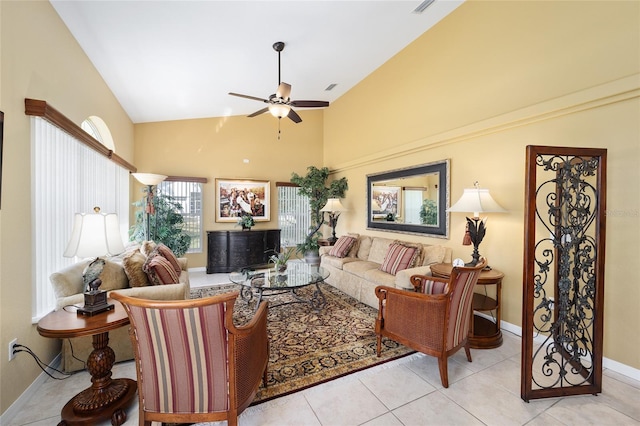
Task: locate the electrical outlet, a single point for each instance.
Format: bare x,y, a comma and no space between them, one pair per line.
11,344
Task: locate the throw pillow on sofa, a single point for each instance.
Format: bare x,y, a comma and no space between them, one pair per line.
159,270
398,257
133,263
342,246
168,254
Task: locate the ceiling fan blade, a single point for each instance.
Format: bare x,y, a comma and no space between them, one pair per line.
284,91
248,97
310,104
262,111
294,116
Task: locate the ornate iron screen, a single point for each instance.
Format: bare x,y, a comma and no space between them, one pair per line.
562,309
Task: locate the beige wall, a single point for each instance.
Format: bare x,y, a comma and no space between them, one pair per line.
216,147
38,59
490,79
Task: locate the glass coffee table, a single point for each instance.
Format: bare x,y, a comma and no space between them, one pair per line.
264,281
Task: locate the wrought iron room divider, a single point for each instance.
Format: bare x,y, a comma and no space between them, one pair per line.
562,306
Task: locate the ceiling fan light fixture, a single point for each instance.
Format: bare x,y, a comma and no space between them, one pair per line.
279,110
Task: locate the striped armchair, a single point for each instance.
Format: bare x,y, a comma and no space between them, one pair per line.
434,319
193,364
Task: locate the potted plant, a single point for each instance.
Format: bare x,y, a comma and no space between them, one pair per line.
166,224
314,186
246,221
280,260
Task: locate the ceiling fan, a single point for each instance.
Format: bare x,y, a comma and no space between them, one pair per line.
279,103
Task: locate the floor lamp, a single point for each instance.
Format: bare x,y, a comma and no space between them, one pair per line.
476,200
150,180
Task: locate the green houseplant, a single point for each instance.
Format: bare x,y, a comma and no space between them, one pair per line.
280,260
166,225
246,221
314,185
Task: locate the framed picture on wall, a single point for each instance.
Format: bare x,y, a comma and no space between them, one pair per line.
386,200
234,197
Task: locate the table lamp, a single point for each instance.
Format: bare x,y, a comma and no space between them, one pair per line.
94,235
333,207
151,180
478,201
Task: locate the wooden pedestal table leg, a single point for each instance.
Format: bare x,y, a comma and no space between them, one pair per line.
106,398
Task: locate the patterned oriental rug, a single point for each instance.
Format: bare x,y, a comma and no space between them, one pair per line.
309,347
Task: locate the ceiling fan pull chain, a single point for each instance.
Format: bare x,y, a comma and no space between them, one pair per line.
279,119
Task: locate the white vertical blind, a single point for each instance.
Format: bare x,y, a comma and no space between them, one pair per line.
294,216
189,195
68,178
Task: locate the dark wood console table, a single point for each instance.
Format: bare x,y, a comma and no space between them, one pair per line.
106,398
228,251
483,333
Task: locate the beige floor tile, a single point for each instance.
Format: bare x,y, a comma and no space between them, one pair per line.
434,409
588,410
493,405
345,403
506,374
427,368
397,386
543,419
293,410
385,420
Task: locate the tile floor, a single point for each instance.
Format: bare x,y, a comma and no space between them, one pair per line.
403,392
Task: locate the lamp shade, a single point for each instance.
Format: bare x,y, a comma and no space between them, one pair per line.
279,110
333,205
94,234
476,200
149,178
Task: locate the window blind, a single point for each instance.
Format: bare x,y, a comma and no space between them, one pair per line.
294,215
68,177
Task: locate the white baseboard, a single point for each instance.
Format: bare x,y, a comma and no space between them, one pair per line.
607,363
198,269
18,405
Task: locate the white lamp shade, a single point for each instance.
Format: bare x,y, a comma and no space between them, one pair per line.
94,235
476,200
333,205
149,178
279,110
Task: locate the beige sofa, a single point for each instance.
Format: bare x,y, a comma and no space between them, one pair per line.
358,273
68,288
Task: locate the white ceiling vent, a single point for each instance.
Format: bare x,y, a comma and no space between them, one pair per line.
423,6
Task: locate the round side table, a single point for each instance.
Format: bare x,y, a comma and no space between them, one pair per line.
484,333
106,398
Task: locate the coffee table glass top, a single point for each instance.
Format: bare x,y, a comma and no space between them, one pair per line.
297,274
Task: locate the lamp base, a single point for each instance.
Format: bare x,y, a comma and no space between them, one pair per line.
95,302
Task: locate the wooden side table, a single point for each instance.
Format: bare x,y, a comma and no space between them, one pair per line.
483,333
106,398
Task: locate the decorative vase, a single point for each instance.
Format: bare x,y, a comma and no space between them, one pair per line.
312,257
281,268
246,228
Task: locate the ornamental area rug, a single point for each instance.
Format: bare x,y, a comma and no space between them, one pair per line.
309,347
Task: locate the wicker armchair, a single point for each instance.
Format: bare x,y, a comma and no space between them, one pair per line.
193,364
434,319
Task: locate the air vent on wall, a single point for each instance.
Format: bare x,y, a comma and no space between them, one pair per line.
423,6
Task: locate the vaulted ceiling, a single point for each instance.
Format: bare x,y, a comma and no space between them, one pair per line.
171,60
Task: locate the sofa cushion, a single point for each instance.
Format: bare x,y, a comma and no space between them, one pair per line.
364,246
398,257
133,264
337,262
353,252
342,246
359,268
378,277
433,254
147,247
379,248
113,277
68,281
168,254
160,271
